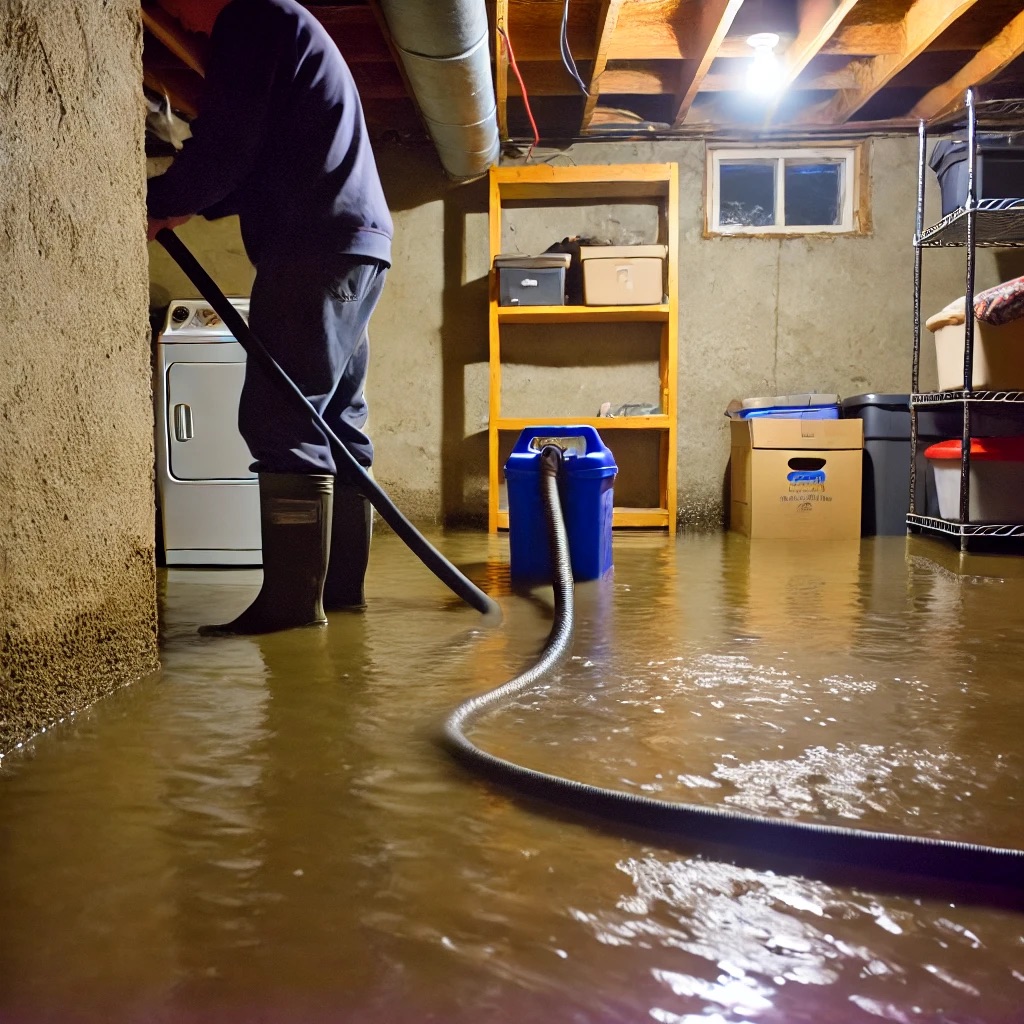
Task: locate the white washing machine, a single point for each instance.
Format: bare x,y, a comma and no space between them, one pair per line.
208,498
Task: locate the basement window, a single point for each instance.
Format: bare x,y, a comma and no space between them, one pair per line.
796,191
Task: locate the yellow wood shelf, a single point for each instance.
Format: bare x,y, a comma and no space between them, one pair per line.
598,182
622,516
596,185
598,422
582,314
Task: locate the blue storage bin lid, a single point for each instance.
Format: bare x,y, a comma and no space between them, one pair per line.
584,453
791,412
809,406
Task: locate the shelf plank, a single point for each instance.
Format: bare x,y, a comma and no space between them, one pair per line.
598,182
598,422
622,516
582,314
952,528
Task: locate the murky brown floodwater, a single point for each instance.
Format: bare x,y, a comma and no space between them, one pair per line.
267,832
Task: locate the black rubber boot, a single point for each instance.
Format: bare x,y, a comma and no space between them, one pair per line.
295,520
351,528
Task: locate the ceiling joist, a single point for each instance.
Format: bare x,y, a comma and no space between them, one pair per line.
923,23
818,22
999,53
607,20
184,45
848,65
716,18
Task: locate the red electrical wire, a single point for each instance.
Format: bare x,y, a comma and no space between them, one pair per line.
522,88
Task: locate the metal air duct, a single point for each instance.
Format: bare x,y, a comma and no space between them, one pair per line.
444,49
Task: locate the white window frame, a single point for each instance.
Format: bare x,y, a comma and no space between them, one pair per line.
849,156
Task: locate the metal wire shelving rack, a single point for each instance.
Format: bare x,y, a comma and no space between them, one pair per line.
977,224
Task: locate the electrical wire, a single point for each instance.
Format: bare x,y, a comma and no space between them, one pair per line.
522,89
563,44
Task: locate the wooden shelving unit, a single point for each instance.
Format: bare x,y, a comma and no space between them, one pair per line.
658,184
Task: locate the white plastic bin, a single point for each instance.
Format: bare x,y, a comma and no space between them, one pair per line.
996,479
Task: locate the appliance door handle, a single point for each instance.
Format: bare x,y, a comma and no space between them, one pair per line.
183,422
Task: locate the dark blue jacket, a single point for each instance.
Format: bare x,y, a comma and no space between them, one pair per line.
280,141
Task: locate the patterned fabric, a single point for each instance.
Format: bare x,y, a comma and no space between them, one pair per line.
1001,304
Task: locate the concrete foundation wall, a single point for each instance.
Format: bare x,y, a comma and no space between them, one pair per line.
77,582
758,316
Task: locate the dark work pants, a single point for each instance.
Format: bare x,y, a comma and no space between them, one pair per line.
313,319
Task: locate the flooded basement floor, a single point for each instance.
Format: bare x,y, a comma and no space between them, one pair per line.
267,830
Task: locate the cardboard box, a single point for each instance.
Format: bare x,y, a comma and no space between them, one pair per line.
797,478
623,275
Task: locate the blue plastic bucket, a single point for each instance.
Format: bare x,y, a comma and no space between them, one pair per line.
585,489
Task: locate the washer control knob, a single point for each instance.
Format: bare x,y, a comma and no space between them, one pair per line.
179,314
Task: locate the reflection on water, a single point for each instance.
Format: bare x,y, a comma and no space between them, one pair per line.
267,831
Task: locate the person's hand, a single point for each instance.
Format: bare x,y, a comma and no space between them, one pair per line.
157,224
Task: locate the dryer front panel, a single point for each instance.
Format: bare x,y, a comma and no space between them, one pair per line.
203,441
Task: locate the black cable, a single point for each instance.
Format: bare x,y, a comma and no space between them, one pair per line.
563,45
347,465
769,837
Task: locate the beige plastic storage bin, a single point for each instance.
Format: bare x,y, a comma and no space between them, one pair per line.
623,275
998,351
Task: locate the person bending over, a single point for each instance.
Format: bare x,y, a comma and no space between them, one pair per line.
281,141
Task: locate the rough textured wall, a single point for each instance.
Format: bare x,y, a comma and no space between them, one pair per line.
757,317
77,589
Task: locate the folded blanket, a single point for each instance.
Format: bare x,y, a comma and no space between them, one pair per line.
999,305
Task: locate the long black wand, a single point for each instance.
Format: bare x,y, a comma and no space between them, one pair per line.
347,465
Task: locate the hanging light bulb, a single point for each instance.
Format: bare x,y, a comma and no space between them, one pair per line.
764,76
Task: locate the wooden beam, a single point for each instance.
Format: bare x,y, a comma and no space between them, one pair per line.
710,119
818,22
607,20
178,98
379,82
186,46
396,58
1004,48
543,79
827,81
653,81
713,22
501,65
921,25
640,37
357,31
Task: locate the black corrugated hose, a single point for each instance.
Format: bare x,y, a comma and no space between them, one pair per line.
347,465
776,839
